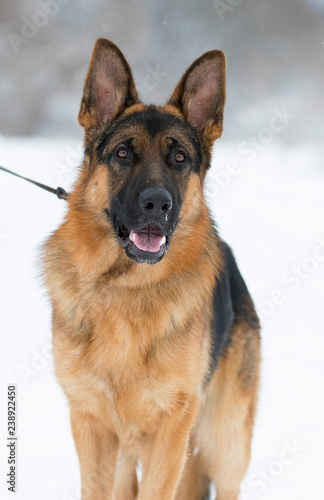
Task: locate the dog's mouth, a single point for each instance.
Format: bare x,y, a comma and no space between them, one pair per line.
147,244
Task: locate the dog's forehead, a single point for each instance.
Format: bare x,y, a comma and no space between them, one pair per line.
149,125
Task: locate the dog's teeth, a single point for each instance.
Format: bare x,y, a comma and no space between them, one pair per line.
163,240
132,236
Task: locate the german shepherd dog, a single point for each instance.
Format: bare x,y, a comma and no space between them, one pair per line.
155,338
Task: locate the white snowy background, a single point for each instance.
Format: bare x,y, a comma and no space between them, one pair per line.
265,190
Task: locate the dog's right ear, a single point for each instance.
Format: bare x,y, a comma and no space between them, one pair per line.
200,95
109,87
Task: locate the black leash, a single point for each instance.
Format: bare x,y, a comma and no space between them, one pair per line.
60,192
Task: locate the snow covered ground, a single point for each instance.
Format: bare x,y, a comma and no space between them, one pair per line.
269,206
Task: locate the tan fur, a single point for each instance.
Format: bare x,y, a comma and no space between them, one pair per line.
132,344
224,430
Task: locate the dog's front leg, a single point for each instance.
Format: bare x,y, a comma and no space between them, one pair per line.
164,453
97,449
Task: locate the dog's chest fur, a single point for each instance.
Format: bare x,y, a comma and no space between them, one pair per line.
123,364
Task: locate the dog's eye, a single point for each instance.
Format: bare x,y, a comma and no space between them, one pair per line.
122,153
179,157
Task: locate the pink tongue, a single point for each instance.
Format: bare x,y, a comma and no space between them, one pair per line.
147,240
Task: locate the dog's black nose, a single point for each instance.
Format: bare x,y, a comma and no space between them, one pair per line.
155,201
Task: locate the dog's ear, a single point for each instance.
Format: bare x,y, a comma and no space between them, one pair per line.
200,94
109,87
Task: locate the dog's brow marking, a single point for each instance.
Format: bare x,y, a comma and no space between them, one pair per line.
113,141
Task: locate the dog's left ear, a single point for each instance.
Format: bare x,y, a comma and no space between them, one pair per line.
109,87
200,94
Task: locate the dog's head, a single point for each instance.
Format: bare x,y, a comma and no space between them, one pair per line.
144,165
